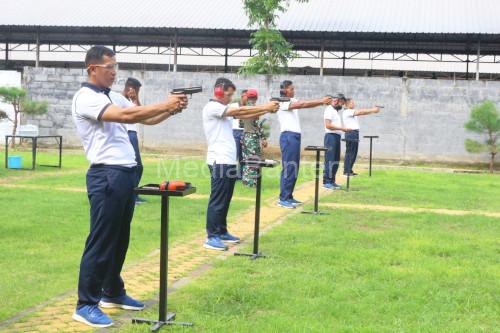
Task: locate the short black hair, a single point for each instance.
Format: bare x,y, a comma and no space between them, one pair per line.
132,83
244,91
96,53
225,83
283,85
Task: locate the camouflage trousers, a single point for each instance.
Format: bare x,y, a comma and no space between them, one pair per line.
251,149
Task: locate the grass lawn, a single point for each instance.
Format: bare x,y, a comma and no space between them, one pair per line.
353,271
43,231
423,189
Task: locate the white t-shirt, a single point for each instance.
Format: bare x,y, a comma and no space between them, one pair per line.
349,120
289,119
332,115
104,142
219,134
236,122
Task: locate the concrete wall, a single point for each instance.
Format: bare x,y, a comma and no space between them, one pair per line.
422,120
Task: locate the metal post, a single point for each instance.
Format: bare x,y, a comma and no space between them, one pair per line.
6,55
225,60
257,212
316,188
343,64
37,61
164,260
477,61
321,59
175,53
467,68
371,140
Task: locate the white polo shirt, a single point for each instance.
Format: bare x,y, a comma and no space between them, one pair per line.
332,115
219,133
236,122
289,119
104,142
349,119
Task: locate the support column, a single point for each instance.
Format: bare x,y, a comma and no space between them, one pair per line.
343,64
175,52
477,62
225,60
467,68
37,60
321,58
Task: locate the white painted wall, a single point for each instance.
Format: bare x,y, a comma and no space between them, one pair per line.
13,79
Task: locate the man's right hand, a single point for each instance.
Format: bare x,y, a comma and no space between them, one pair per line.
327,100
271,106
176,103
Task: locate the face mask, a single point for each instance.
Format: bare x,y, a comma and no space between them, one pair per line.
338,107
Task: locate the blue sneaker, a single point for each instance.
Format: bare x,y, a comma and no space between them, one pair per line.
336,186
124,302
328,186
214,243
227,237
295,202
93,316
286,204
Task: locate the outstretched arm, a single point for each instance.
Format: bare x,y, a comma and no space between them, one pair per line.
364,112
251,111
310,103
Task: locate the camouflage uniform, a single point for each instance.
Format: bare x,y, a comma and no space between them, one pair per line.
251,146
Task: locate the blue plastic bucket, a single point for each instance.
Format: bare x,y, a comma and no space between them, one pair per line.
15,162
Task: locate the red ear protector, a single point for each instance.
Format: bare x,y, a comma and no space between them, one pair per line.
219,90
173,185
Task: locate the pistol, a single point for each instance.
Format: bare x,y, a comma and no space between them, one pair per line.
280,99
379,106
186,91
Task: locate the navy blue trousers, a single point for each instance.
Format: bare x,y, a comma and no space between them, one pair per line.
112,202
135,143
222,180
351,150
290,162
237,135
332,157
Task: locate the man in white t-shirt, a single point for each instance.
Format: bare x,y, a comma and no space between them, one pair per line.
100,116
238,131
349,117
221,157
131,93
333,135
290,138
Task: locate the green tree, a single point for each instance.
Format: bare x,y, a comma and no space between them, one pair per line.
484,119
17,97
273,51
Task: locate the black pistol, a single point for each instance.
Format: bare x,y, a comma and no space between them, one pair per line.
280,99
186,91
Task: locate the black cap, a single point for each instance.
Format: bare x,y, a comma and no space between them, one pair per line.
339,96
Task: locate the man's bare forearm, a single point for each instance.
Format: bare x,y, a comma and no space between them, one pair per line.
242,111
156,119
306,104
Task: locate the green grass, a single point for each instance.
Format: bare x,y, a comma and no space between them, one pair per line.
423,189
43,231
353,271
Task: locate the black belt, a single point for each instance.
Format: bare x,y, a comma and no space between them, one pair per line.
111,166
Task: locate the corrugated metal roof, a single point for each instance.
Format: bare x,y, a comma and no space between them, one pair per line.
382,16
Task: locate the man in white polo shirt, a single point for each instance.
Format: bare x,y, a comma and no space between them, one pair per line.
100,116
221,157
333,133
349,118
290,138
